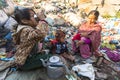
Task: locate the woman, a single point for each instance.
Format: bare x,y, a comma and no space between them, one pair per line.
88,36
26,38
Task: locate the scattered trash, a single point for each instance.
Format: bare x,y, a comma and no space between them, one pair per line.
85,70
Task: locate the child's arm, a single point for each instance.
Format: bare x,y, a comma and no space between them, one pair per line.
66,48
52,47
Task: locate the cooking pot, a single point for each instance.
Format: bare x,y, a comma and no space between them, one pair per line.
55,66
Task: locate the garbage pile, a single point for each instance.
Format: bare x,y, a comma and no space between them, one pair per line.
63,16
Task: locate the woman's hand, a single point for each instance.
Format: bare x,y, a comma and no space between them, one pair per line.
79,43
43,26
86,34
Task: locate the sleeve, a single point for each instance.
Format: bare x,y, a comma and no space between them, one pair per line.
52,46
87,41
34,34
96,37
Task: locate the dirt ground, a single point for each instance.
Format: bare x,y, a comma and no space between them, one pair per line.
102,72
38,74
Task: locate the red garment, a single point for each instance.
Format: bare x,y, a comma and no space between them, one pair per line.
76,37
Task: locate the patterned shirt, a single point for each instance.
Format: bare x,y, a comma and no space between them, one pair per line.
59,47
27,38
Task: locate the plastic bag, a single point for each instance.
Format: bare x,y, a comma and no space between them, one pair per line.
10,8
11,22
85,70
3,18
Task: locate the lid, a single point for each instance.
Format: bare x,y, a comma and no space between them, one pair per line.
54,59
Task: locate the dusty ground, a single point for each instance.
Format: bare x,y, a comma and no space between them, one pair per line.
111,73
39,74
102,72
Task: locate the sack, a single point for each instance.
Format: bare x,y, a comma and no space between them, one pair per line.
10,8
3,18
3,3
11,23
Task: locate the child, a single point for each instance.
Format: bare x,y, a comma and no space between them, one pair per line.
79,40
59,46
76,38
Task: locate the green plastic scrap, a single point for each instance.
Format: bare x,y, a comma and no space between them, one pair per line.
70,77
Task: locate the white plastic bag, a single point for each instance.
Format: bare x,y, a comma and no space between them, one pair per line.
85,70
11,22
3,18
73,18
10,8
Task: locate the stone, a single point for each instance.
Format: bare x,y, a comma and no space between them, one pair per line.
101,75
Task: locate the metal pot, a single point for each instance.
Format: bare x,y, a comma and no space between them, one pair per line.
54,67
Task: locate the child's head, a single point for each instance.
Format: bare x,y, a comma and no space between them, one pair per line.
60,35
26,16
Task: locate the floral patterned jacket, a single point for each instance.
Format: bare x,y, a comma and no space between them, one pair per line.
25,38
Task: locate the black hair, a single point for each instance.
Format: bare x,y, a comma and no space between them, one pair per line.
20,14
95,13
60,33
